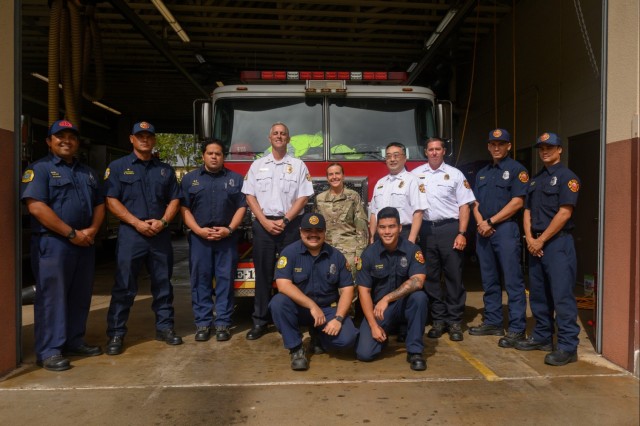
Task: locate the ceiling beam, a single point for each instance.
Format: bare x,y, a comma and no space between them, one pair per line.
135,20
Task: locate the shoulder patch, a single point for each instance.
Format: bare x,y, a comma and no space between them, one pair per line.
282,262
574,186
466,185
27,176
419,257
107,173
309,177
523,176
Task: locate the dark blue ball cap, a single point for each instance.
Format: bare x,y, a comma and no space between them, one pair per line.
313,221
61,125
143,126
499,135
549,139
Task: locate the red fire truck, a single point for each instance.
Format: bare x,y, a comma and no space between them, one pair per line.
346,117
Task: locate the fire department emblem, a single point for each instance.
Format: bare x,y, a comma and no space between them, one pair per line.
28,176
446,177
574,186
282,262
404,262
422,188
466,184
313,220
308,177
505,175
289,168
554,180
232,183
523,176
497,133
544,137
144,125
401,184
333,269
107,173
419,257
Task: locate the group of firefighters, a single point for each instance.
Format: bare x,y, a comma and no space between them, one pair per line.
404,265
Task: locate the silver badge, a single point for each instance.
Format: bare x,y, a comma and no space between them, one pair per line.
505,175
163,172
231,183
554,180
403,262
333,269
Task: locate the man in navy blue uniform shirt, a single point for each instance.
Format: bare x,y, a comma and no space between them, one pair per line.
213,208
390,285
315,289
551,200
144,194
66,205
500,189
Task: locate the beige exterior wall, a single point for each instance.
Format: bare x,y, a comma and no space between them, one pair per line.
621,275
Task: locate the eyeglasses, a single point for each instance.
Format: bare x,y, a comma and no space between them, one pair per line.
393,156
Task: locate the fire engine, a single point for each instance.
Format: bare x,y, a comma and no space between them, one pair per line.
347,117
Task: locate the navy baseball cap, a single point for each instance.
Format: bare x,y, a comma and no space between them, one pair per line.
313,221
499,135
549,139
143,126
61,125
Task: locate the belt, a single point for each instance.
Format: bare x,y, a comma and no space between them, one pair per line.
558,235
439,222
274,217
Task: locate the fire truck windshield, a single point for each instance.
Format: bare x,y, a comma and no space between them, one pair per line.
324,128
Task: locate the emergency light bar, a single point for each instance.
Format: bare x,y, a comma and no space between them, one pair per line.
353,76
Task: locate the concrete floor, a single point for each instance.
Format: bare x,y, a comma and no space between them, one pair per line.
473,382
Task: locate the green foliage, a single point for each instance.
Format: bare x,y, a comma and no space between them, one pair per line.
179,150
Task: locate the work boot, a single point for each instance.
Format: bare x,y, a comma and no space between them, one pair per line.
223,333
560,357
436,330
203,334
485,329
314,342
455,332
531,344
511,339
299,359
55,363
168,336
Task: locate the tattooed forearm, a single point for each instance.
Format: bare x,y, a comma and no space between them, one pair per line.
412,284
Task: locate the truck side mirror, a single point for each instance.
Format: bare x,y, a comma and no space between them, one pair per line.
202,119
444,112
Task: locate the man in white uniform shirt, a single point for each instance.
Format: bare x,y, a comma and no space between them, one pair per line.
277,187
443,238
399,189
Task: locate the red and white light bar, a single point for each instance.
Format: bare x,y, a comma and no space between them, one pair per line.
360,76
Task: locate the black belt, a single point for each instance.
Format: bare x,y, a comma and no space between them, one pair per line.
559,234
439,222
274,217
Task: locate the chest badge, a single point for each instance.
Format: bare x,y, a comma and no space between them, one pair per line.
404,262
163,172
505,175
554,180
333,269
446,176
401,184
289,168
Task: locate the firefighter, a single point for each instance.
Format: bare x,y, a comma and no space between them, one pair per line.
315,289
277,187
213,208
144,194
443,238
401,190
390,287
549,207
67,208
500,189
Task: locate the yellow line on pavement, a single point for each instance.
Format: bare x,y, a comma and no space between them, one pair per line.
477,364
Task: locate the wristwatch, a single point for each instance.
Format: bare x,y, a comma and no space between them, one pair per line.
230,229
285,220
489,222
164,223
339,318
72,234
463,233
